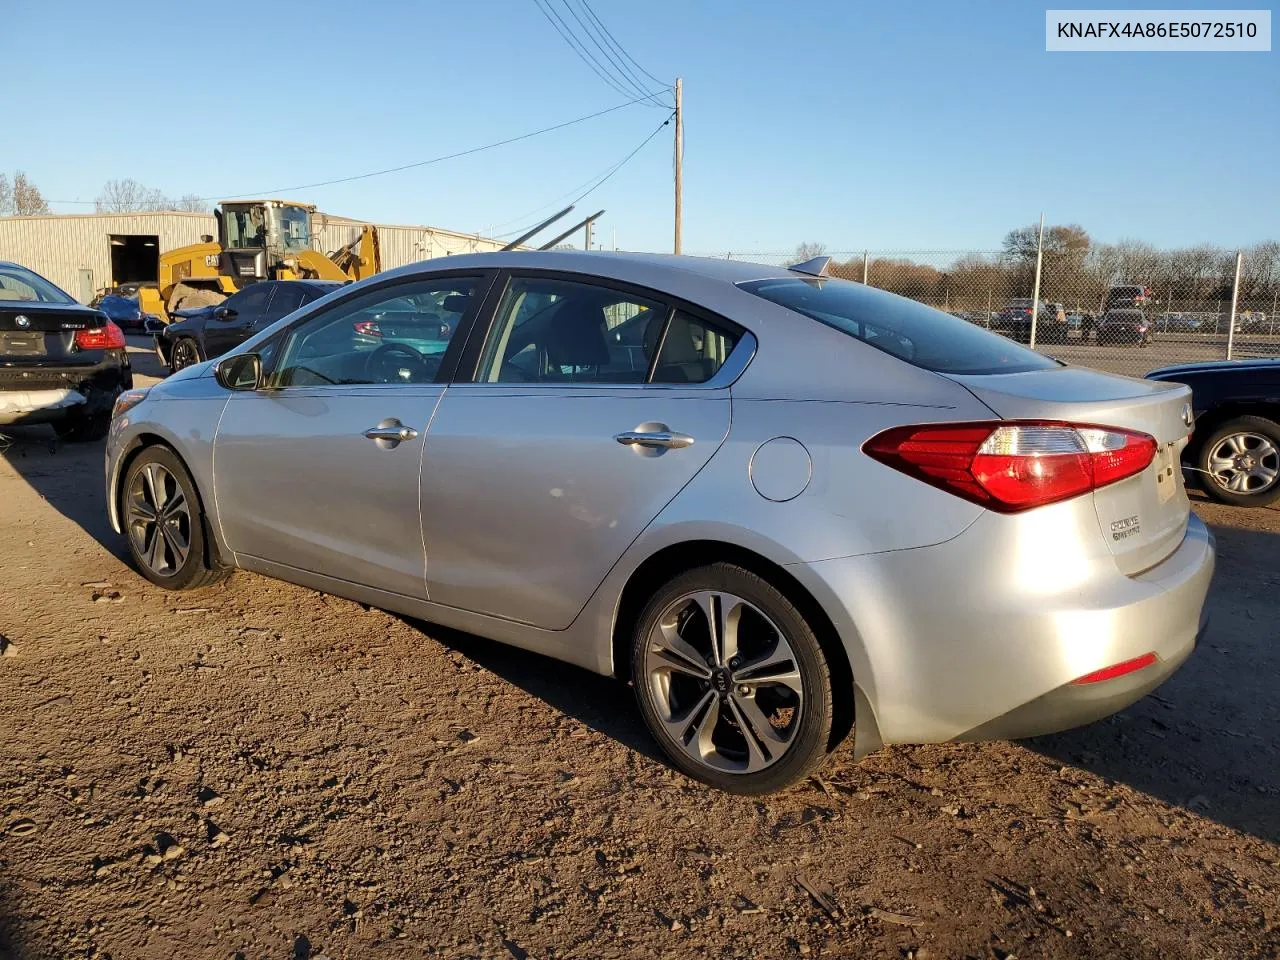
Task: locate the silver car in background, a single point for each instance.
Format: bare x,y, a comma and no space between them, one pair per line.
783,506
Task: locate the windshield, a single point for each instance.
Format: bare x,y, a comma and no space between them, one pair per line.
19,283
291,228
920,335
244,226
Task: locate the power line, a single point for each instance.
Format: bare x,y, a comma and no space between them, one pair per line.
407,166
598,183
623,73
617,46
583,54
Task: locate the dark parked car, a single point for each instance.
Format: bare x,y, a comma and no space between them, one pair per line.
1235,450
61,363
1126,296
124,312
1014,321
205,332
1125,326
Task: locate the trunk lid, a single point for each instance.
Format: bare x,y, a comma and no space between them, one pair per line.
1143,518
44,334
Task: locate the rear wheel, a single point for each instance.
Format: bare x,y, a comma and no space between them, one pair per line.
164,521
1240,462
732,681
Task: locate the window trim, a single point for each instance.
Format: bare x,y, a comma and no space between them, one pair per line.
468,367
449,359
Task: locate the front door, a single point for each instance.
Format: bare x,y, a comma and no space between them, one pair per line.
569,440
233,321
320,471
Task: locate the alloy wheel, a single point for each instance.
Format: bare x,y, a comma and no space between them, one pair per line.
725,682
159,520
1245,463
184,355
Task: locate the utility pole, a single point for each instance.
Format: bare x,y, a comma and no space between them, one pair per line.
1035,293
679,162
866,263
586,238
1235,302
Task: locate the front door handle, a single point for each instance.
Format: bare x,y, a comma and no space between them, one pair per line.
390,433
664,439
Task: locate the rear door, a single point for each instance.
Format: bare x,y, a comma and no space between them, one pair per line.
1143,519
575,430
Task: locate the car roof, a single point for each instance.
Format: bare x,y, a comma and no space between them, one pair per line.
611,263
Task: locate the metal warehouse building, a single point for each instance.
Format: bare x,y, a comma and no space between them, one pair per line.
85,253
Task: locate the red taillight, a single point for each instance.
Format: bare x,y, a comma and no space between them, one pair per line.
106,337
369,328
1014,465
1117,669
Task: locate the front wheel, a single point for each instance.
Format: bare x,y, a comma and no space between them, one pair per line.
732,681
183,353
164,521
1240,462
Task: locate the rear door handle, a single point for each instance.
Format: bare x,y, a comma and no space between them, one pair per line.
390,433
667,439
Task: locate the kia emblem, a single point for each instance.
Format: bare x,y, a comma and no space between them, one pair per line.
22,321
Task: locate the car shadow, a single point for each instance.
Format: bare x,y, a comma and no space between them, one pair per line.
588,697
1208,740
69,476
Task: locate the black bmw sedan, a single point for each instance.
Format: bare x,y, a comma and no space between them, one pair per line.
61,363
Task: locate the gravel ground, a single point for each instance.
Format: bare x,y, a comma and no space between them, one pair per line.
261,771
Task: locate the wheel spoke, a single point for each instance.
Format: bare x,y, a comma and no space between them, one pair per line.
155,550
154,475
177,545
177,503
1239,482
1266,474
140,510
778,667
667,644
1236,443
682,726
756,755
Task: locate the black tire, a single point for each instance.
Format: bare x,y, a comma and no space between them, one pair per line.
80,428
811,735
1250,429
185,352
174,572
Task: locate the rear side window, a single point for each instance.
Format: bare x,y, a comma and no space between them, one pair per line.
920,335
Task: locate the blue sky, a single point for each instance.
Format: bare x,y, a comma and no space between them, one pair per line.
889,125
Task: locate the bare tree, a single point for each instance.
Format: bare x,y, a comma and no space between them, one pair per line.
193,204
808,250
129,196
6,197
27,200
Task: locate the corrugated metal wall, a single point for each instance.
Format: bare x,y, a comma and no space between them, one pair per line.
59,247
400,244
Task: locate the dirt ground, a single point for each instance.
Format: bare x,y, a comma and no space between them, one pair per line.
261,771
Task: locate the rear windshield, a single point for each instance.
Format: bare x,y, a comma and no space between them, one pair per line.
920,335
18,283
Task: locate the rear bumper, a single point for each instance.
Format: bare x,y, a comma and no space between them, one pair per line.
981,636
46,393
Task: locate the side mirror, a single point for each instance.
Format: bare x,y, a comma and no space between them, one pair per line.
224,313
242,371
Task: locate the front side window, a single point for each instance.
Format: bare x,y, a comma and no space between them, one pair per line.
18,283
251,300
920,335
291,227
244,227
395,335
561,331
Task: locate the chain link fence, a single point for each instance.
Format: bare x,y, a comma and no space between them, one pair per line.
1127,309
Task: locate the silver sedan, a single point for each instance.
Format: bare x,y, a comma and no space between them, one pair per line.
784,506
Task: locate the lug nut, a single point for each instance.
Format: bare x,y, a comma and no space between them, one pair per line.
735,662
744,690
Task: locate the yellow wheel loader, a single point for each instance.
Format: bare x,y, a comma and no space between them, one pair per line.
257,240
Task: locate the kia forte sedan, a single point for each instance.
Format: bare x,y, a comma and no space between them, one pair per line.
784,507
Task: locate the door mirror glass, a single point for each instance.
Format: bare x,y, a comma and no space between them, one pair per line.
224,313
243,371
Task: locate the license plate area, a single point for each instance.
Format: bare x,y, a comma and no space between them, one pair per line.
22,344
